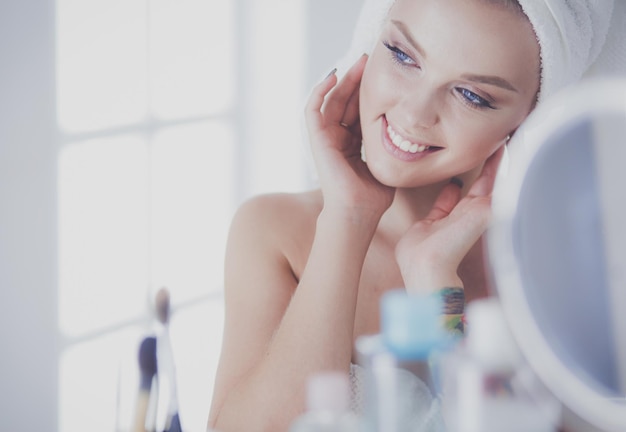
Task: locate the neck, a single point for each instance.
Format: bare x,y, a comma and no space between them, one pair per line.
409,206
412,204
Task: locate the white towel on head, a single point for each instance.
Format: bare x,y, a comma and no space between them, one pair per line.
571,35
612,58
366,33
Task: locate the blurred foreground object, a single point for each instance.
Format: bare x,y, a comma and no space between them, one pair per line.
557,246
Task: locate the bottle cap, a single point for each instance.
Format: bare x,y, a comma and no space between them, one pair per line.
328,391
489,339
411,323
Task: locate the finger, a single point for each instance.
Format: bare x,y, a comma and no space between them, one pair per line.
355,142
312,110
336,103
351,113
446,201
483,186
474,221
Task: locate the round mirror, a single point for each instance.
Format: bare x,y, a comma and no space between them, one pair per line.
557,247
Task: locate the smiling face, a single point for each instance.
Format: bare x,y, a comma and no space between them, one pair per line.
446,83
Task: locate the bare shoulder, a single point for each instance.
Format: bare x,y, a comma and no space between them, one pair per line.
280,226
279,208
281,222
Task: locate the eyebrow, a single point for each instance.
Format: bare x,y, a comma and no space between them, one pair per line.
407,34
483,79
492,80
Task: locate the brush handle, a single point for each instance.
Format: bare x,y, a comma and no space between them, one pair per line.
141,410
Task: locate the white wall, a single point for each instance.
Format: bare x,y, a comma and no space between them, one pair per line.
27,217
329,34
28,197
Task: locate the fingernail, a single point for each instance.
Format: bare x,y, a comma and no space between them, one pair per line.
457,181
332,72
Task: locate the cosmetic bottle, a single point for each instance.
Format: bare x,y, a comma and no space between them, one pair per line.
328,402
486,385
401,392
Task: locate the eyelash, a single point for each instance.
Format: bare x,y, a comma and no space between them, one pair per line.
399,56
473,99
468,97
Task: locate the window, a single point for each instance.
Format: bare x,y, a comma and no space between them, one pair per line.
153,97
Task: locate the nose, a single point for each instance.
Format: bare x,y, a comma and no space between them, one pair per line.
420,108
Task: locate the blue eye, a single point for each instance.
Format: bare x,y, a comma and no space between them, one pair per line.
473,99
399,56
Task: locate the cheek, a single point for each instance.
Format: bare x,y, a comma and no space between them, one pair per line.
480,130
377,90
473,141
368,95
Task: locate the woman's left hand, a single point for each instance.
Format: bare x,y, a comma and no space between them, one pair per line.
430,252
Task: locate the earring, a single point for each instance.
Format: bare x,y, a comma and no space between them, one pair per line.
505,162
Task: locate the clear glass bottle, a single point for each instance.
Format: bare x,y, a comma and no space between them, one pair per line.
401,393
328,405
486,385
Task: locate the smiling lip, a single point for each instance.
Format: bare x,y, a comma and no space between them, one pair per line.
402,149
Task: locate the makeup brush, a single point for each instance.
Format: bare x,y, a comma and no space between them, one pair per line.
147,369
166,356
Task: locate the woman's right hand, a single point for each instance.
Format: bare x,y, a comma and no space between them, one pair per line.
335,133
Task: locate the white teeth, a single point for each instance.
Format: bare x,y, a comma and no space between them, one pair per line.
396,140
403,144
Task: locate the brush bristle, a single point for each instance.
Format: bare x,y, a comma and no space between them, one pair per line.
162,305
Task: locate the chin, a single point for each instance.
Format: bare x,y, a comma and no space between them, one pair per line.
389,176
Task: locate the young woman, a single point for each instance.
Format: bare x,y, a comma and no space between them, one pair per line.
431,107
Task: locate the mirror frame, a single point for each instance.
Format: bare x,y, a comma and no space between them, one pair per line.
590,97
